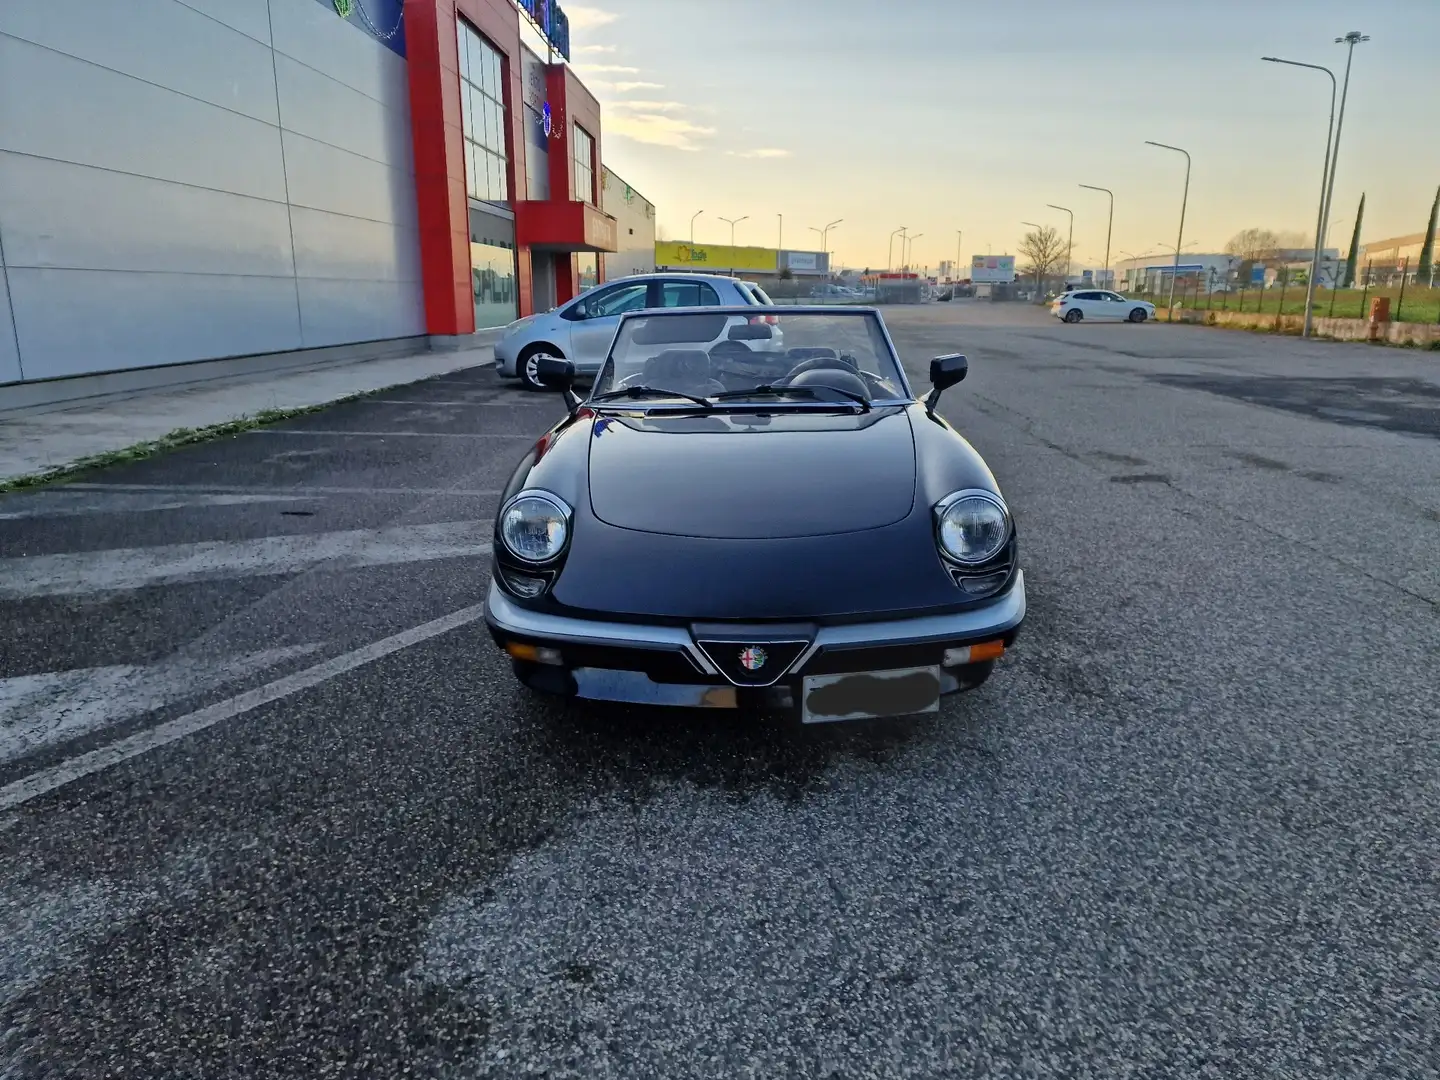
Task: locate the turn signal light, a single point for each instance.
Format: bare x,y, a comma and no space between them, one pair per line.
533,653
974,654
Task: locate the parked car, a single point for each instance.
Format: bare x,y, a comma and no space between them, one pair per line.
581,330
786,531
1077,304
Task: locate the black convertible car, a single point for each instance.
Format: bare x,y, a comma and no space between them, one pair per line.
720,526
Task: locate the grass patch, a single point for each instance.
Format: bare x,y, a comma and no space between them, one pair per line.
1421,305
171,441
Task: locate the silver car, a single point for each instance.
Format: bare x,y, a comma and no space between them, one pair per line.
581,330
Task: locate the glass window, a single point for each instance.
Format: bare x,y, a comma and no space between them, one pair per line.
587,266
614,301
582,150
688,294
492,275
482,115
462,52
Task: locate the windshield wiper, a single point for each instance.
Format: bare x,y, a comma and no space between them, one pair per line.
768,390
651,391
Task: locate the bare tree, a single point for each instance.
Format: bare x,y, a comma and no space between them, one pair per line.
1248,245
1044,250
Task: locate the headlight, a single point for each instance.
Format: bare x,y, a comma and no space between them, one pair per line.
535,526
971,526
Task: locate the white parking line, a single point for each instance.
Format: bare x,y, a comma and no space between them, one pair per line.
390,434
298,492
78,573
59,502
38,783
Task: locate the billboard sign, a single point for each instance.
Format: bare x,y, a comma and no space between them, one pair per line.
553,23
992,269
716,257
802,260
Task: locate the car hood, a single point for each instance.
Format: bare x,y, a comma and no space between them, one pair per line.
746,476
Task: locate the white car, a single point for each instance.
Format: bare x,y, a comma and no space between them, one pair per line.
1100,304
581,329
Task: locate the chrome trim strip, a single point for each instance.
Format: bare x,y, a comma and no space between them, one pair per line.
1005,613
503,613
761,641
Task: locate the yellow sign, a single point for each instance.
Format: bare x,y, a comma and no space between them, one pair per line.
717,257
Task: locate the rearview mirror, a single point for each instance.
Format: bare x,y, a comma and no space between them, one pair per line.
750,332
945,372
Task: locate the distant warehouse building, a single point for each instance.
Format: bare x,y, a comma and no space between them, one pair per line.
781,272
184,181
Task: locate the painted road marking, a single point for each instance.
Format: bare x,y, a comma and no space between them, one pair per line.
78,573
41,710
298,492
516,403
38,783
389,434
69,503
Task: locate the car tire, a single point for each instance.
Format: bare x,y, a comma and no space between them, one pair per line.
525,365
1073,316
1138,315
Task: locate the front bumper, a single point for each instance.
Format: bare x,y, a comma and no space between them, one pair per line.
669,665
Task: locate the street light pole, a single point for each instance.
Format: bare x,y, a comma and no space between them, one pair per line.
780,237
1353,38
910,243
1068,242
732,222
1321,216
1180,237
1108,228
1039,279
959,247
890,251
825,241
692,224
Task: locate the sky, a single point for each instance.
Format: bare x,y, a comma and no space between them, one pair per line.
972,115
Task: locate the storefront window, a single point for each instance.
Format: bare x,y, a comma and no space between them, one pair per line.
482,115
583,152
492,275
587,269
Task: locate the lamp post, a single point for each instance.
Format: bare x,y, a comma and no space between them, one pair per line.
1039,280
732,222
890,251
1353,38
1320,217
1108,228
959,246
825,242
692,224
780,235
909,245
1180,236
1068,242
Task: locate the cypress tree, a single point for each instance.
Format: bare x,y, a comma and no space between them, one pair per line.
1349,282
1427,249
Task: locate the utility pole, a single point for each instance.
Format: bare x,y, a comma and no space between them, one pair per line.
1353,38
890,251
692,225
780,238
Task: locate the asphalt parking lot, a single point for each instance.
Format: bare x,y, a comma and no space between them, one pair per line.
271,803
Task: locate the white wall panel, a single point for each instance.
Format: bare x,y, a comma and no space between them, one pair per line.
250,17
315,105
323,177
333,246
57,214
340,311
93,116
75,321
9,355
159,41
313,34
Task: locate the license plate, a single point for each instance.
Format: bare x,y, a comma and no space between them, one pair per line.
868,695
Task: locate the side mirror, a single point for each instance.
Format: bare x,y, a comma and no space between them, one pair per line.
558,374
945,372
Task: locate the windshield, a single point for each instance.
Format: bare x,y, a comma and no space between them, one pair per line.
786,357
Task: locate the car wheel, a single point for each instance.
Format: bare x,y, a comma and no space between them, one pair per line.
1073,316
527,365
1138,315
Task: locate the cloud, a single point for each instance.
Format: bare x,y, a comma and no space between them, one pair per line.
596,49
618,69
647,106
626,87
656,129
584,17
760,152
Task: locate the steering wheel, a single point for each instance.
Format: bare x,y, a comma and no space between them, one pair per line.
813,363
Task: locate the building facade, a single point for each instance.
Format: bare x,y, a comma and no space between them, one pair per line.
634,226
186,181
1391,255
